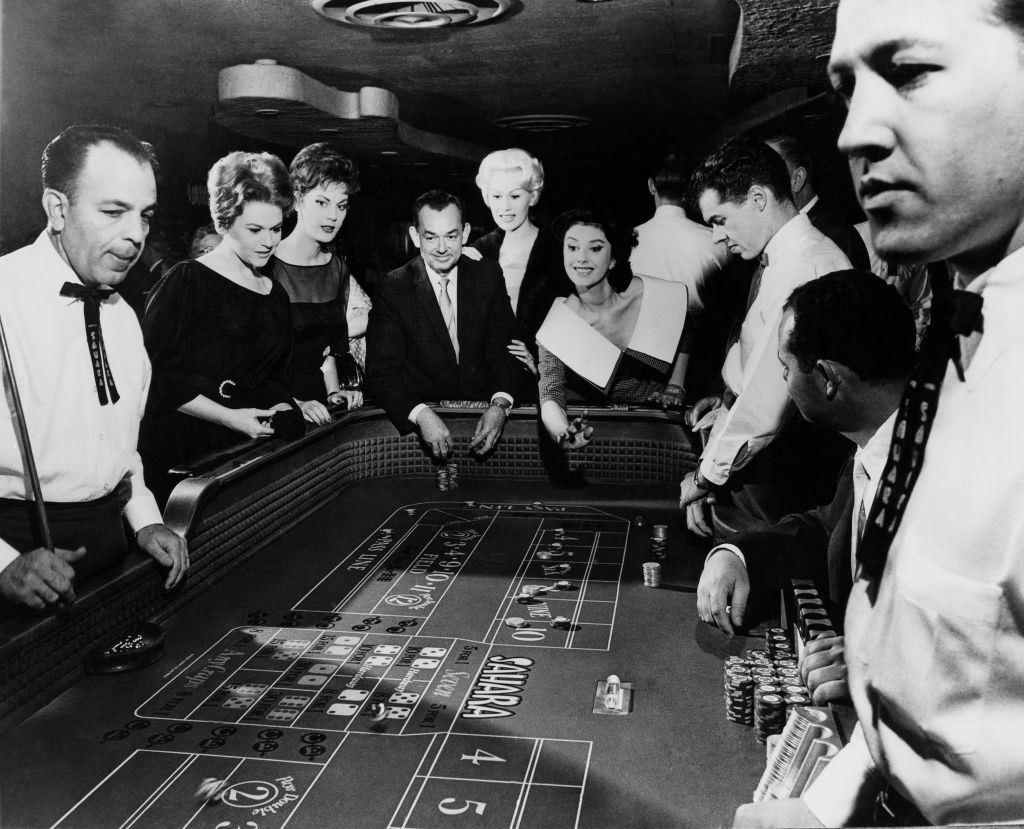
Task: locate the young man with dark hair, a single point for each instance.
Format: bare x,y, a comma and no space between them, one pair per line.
672,246
761,461
439,330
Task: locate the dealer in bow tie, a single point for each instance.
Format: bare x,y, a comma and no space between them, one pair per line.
77,359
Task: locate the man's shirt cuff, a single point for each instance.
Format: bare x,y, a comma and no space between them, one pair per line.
416,411
732,548
503,396
847,787
8,555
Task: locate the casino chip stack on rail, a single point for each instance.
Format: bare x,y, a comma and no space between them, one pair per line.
448,476
762,689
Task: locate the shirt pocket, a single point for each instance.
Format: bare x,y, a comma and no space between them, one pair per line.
932,655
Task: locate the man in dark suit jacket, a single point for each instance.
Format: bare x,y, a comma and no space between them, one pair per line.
846,344
821,214
439,330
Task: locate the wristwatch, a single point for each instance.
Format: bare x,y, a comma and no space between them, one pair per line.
701,482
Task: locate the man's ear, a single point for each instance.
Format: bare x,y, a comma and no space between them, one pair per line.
55,204
651,188
758,196
798,179
415,236
466,230
830,377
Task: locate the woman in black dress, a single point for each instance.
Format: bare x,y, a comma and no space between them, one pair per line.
511,182
217,331
317,279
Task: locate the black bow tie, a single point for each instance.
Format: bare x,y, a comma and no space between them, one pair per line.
967,316
91,297
87,292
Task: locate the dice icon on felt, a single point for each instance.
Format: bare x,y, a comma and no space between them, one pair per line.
403,698
346,640
353,695
313,680
433,652
397,713
238,702
280,715
388,650
426,663
293,701
378,661
337,650
286,655
248,690
322,668
343,709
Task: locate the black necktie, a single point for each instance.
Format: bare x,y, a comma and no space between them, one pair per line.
953,313
91,298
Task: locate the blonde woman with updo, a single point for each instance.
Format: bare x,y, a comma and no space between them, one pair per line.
511,182
217,330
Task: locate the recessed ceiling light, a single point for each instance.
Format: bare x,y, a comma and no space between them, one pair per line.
329,130
389,152
267,112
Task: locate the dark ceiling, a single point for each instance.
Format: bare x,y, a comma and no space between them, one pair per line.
646,73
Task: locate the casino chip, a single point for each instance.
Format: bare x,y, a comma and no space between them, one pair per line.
142,645
210,789
516,622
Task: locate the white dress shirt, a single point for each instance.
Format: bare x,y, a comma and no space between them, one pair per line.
673,247
868,464
797,253
453,294
82,449
936,663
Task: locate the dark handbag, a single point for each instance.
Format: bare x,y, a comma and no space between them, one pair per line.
350,375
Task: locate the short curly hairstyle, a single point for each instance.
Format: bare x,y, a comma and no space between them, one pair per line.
621,236
736,166
318,164
854,318
241,177
512,160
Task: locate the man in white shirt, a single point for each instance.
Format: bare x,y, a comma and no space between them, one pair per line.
83,386
845,371
672,246
935,639
761,458
439,330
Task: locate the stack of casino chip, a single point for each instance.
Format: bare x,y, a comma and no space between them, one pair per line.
448,476
762,689
659,541
739,691
652,574
769,710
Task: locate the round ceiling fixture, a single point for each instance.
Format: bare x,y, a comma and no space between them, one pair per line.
542,123
395,14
